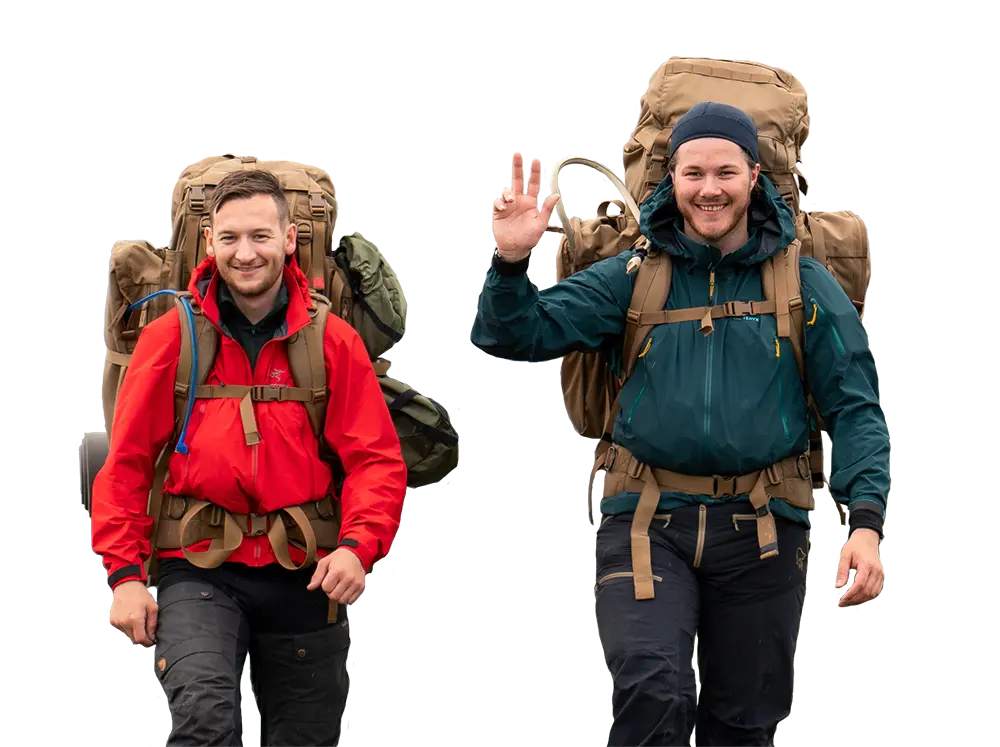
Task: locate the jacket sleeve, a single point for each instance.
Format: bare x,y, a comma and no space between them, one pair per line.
841,374
585,311
359,429
143,424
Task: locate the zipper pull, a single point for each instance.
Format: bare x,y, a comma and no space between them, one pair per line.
711,287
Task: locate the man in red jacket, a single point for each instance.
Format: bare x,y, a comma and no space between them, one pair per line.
205,621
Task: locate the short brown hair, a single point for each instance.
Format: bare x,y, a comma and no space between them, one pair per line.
240,185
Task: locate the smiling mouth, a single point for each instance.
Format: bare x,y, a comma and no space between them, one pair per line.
711,208
247,270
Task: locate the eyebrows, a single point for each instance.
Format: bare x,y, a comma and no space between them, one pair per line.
735,166
253,231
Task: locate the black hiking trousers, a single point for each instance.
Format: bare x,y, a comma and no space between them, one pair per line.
211,619
709,580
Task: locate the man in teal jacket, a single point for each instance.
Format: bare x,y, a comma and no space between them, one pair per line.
723,404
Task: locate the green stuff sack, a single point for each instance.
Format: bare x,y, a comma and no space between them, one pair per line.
366,293
427,437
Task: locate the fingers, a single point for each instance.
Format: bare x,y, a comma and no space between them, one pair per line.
501,203
152,616
322,567
137,628
843,570
868,583
535,179
517,175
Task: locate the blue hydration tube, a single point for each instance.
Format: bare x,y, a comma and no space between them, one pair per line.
181,447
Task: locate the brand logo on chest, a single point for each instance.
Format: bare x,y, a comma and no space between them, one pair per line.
275,377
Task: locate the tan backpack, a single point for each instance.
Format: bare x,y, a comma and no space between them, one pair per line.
354,280
776,101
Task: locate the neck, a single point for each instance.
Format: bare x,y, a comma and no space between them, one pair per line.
255,308
737,237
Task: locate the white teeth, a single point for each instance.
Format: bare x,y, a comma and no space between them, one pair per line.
711,208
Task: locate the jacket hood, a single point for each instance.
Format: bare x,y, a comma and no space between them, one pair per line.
203,287
771,224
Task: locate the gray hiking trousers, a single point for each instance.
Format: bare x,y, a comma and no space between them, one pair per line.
211,620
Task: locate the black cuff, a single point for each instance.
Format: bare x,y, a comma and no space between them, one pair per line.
864,518
129,570
509,269
348,543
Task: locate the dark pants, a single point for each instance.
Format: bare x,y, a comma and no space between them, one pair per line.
210,620
744,610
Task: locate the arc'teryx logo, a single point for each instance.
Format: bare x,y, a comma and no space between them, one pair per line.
275,376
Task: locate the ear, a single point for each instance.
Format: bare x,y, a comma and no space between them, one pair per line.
291,238
209,246
753,176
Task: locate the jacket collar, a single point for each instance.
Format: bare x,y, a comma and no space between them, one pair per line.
205,284
770,221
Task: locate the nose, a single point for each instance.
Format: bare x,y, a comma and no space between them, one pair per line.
710,187
245,252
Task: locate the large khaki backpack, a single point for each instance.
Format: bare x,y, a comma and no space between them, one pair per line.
353,281
776,101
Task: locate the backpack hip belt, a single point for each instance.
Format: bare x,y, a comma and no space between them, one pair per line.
185,521
789,479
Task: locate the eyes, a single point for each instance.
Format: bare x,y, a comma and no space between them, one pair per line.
724,174
230,238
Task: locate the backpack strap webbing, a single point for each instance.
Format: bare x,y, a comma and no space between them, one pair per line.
652,286
308,364
305,358
788,276
207,342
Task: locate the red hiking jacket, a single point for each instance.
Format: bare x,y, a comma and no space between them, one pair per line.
284,469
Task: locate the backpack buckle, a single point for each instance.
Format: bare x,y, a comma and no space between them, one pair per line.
632,315
256,525
723,486
317,205
215,515
803,466
634,469
609,458
772,475
176,506
196,199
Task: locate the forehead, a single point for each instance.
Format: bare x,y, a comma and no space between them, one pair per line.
247,213
709,152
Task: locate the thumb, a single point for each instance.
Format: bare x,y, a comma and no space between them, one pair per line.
152,614
844,568
318,575
549,205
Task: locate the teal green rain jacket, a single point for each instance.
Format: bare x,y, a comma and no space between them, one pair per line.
726,404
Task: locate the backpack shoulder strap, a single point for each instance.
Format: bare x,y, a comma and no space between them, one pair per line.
307,362
783,285
652,286
206,345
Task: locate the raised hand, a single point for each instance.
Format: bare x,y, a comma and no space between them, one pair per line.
518,224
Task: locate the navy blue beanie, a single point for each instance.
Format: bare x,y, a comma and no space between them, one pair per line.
709,119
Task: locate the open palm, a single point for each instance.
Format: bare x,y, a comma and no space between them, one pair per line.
518,223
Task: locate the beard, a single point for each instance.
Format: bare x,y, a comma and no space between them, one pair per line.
711,227
252,285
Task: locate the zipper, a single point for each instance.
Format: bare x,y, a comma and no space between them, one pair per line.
833,327
620,574
702,517
709,357
781,395
781,408
631,412
642,390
